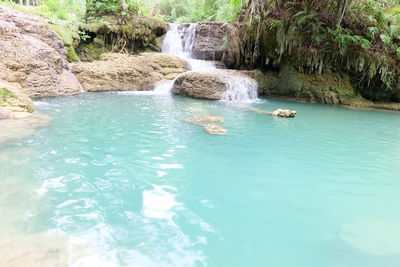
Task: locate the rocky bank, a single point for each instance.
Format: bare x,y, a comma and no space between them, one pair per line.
121,72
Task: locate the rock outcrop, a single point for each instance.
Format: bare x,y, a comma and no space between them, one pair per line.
13,99
121,72
33,56
217,41
207,84
328,88
135,35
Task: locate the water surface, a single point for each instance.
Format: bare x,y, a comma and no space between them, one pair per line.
120,180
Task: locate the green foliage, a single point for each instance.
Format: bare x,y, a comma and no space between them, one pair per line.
99,8
179,11
5,93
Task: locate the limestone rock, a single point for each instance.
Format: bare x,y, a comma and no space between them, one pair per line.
327,88
215,129
22,125
33,56
217,41
284,113
121,72
202,120
12,99
207,85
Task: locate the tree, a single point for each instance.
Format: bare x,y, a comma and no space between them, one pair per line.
123,4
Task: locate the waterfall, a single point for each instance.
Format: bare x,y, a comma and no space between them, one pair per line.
240,89
179,41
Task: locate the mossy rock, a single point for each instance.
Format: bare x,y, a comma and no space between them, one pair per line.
69,33
329,88
13,99
135,35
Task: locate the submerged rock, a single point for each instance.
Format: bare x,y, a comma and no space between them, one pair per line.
208,85
215,129
208,123
33,56
202,120
21,125
121,72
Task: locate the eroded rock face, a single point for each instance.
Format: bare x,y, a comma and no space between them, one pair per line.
328,88
121,72
206,84
33,56
217,41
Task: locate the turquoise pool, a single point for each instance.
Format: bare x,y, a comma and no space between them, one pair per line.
120,180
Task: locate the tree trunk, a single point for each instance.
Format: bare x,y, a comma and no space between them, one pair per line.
21,2
123,4
343,6
27,3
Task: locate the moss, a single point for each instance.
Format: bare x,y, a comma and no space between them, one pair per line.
5,93
69,33
71,54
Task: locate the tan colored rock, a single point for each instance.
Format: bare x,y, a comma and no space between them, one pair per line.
207,84
215,129
13,99
121,72
202,120
284,113
33,56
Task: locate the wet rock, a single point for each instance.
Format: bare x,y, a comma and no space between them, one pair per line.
22,125
327,88
217,41
121,72
202,120
278,113
206,85
284,113
33,56
215,129
5,114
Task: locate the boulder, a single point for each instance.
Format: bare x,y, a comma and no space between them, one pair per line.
284,113
12,99
210,84
217,41
122,72
33,56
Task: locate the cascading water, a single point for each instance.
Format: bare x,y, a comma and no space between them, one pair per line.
179,41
